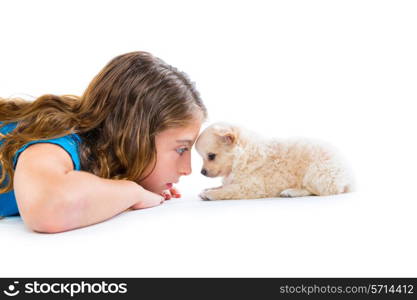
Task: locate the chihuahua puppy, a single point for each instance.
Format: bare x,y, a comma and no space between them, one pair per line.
253,167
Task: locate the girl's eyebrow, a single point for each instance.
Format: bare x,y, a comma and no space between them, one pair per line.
189,142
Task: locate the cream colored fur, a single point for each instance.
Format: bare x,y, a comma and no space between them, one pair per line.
254,167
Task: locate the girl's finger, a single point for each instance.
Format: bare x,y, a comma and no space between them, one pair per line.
175,193
166,195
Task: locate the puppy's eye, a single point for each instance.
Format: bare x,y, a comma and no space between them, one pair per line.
211,156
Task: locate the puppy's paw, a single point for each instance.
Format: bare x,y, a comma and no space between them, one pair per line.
286,193
208,195
203,195
294,193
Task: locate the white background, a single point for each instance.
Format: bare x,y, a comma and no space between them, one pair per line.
340,71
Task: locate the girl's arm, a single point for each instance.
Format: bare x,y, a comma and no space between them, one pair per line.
52,197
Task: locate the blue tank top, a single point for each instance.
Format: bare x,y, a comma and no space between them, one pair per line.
70,143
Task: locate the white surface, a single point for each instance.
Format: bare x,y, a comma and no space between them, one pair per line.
348,235
340,71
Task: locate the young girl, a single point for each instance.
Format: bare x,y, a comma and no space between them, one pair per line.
68,162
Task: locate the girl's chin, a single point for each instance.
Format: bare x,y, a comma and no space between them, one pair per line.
153,189
160,189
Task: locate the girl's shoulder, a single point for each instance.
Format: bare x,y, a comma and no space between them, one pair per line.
70,143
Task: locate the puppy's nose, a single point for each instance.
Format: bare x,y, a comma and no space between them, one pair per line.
204,172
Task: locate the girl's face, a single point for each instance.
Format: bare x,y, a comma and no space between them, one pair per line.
173,159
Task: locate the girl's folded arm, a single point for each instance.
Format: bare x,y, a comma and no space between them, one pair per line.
52,197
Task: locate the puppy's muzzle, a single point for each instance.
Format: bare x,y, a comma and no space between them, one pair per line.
204,172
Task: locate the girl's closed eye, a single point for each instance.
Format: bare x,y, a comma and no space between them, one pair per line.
181,151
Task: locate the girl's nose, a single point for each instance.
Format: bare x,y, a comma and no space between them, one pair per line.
186,169
186,166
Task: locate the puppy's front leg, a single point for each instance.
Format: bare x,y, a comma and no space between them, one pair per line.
213,188
226,192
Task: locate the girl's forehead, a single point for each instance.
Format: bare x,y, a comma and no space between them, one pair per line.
187,134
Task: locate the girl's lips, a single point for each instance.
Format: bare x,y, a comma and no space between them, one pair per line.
169,185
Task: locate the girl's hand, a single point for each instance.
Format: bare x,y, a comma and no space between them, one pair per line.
171,193
149,200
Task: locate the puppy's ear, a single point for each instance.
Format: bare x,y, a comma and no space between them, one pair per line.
228,139
227,135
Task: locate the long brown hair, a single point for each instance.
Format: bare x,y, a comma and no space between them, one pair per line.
132,99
